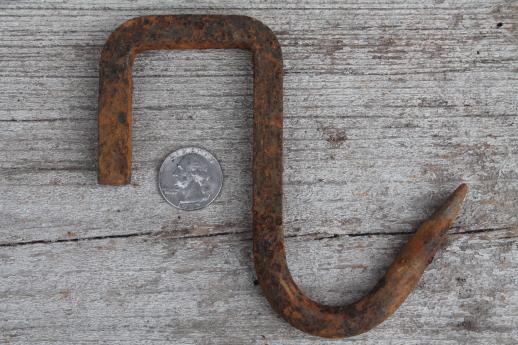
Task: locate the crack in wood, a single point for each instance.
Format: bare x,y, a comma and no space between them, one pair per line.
317,236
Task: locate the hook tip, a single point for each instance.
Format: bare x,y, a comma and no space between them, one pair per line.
462,189
451,208
458,196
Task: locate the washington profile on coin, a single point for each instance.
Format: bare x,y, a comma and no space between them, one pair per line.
190,178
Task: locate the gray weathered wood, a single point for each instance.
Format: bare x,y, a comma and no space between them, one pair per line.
389,105
200,290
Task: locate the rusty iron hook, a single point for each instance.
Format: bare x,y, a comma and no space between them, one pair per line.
240,32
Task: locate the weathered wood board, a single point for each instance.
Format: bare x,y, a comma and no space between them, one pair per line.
389,105
149,289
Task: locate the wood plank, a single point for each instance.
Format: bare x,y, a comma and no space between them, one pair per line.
414,108
158,290
389,105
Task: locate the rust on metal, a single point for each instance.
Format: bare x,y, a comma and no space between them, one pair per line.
240,32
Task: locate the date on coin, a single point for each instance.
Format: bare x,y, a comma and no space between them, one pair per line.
190,178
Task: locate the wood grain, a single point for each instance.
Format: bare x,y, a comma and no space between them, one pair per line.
158,290
388,107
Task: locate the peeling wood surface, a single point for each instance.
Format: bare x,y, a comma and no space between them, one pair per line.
388,106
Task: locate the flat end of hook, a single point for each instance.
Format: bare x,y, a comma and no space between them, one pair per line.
113,179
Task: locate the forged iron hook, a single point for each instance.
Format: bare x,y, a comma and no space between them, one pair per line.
240,32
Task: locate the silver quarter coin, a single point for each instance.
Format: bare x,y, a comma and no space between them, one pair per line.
190,178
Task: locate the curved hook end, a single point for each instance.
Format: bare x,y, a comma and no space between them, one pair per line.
369,311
